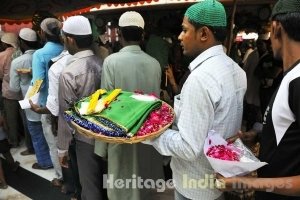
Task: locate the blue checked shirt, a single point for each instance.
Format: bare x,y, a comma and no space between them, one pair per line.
211,98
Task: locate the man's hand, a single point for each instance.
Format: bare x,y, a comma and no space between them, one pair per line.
228,184
249,138
34,107
63,161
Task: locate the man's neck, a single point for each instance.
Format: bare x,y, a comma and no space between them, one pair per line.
130,43
290,54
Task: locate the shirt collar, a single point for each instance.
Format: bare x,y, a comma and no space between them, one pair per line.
208,53
61,55
29,51
50,43
131,48
82,54
291,67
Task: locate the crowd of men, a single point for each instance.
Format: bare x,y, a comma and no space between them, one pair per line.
211,98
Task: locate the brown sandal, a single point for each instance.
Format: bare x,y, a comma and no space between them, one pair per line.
56,182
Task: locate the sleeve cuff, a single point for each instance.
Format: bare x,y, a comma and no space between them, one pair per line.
62,153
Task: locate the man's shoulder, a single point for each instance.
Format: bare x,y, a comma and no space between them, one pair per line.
38,52
21,59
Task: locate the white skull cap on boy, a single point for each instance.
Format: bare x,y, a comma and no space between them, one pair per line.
131,18
28,34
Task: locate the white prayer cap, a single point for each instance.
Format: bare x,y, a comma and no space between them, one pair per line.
28,34
131,18
77,25
1,34
10,38
51,26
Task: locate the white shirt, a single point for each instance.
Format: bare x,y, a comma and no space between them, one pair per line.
60,62
211,98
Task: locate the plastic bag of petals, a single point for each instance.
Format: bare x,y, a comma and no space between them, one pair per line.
229,159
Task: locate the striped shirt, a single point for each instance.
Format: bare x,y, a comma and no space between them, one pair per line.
211,98
80,78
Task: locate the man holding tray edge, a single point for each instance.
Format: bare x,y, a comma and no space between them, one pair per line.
211,98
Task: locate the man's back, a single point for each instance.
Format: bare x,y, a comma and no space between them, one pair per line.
131,69
80,78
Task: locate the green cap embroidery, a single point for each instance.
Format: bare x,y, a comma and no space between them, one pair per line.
207,12
286,6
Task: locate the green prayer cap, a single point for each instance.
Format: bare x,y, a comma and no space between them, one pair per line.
207,12
286,6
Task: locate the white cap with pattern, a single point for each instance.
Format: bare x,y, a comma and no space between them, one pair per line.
28,34
131,18
77,25
10,38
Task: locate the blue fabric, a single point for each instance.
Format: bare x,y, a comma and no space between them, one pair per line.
40,67
39,144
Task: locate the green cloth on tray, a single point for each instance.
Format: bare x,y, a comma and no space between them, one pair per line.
125,112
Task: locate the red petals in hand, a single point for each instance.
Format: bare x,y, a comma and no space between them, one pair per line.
223,152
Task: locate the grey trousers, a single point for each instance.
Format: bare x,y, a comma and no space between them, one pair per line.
91,168
51,141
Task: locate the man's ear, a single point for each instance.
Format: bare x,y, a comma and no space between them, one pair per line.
204,33
276,29
70,40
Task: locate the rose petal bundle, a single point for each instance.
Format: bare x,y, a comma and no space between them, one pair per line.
224,152
156,120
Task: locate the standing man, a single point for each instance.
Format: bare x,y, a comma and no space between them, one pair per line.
50,31
20,81
50,111
10,98
80,79
130,69
211,98
280,138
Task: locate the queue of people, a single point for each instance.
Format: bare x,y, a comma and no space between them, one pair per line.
212,96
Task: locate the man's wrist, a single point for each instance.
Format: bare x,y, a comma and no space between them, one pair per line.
62,153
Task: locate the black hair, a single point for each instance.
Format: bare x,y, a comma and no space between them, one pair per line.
30,44
290,23
132,33
82,41
55,30
219,32
53,38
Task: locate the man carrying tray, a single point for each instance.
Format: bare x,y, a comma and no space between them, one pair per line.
211,98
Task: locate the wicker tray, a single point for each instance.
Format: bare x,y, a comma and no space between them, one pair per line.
121,140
